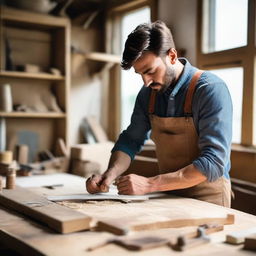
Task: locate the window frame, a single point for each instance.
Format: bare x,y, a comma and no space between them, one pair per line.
244,57
113,46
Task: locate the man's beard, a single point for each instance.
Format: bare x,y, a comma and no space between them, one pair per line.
170,76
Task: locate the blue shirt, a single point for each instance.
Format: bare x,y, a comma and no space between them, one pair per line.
212,114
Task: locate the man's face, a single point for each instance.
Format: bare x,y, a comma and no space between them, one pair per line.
154,71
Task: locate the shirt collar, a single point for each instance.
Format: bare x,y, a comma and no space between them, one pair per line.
184,79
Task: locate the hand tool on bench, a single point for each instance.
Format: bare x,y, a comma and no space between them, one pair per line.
185,242
148,242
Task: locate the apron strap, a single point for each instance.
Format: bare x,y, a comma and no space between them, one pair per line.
190,93
152,100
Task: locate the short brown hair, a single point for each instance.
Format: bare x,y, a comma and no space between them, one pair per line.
155,37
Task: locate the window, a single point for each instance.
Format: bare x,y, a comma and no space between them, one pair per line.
225,23
227,48
130,81
233,77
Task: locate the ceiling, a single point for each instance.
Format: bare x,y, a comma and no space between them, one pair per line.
71,8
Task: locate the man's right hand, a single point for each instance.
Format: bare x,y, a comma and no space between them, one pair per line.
119,162
98,183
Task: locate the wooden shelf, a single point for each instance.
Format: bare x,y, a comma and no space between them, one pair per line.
100,56
17,74
32,115
37,20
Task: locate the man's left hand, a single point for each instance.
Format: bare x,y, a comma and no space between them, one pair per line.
133,184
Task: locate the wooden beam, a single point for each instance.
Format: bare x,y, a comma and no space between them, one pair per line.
57,217
18,16
100,56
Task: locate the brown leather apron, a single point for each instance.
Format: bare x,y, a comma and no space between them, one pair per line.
176,141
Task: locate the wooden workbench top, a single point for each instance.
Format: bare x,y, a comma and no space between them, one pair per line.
31,238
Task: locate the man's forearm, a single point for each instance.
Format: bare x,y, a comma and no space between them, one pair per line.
184,178
118,163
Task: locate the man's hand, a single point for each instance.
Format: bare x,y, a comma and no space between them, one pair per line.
99,183
133,184
118,163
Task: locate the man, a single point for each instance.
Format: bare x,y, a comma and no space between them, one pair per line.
189,113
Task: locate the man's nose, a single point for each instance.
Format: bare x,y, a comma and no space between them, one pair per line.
147,81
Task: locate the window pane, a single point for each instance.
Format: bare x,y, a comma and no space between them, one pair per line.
225,24
234,80
130,81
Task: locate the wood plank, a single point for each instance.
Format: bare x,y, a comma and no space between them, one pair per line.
59,218
121,227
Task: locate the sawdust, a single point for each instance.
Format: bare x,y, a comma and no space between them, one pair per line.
82,204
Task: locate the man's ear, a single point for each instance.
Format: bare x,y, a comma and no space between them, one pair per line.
172,56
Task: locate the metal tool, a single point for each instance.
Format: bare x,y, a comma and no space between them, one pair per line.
184,242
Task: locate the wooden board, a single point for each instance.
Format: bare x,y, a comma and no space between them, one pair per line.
123,226
59,218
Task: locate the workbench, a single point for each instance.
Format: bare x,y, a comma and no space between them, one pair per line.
30,237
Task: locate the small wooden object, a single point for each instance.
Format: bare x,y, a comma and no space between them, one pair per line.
21,153
6,157
238,237
11,178
250,242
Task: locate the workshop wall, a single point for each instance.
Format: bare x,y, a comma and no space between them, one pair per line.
85,93
180,17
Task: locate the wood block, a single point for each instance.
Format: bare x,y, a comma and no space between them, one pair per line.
21,154
250,242
6,157
144,166
98,152
84,168
239,236
59,218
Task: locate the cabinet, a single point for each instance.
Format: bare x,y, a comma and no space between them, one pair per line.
44,41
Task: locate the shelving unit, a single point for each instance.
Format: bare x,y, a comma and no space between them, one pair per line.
17,74
42,40
32,114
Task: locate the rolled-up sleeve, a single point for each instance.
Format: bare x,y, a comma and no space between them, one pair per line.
132,139
214,109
